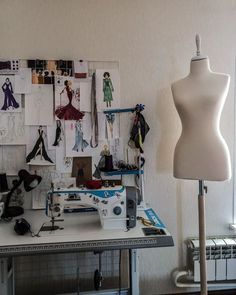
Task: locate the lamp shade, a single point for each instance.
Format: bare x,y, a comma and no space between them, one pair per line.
3,182
30,180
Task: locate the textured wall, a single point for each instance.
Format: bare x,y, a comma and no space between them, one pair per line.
154,41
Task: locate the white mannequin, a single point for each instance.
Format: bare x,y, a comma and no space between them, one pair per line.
201,152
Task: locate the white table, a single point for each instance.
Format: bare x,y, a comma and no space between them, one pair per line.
81,232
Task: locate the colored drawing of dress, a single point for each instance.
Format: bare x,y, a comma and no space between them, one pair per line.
80,142
107,91
9,99
39,149
68,112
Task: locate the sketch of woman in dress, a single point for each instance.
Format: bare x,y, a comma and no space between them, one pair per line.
107,89
80,142
58,136
9,99
68,112
39,149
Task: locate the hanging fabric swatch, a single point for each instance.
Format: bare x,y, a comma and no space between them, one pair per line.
94,114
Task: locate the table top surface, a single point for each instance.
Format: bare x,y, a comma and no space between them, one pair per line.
81,232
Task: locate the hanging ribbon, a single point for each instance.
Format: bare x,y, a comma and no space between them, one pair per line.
94,114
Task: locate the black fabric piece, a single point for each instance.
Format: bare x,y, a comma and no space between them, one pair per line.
139,124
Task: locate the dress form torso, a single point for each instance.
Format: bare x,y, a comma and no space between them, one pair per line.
201,152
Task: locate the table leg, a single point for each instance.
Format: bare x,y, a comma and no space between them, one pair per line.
134,271
6,277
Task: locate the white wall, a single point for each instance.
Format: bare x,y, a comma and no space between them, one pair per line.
154,41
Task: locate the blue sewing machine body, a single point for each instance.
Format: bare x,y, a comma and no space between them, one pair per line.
117,206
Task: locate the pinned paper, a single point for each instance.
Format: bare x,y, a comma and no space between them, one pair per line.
55,135
76,143
63,182
81,69
39,106
107,89
67,101
12,129
8,157
9,101
23,81
63,163
9,66
116,150
85,95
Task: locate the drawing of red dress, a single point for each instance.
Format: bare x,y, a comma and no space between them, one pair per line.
68,112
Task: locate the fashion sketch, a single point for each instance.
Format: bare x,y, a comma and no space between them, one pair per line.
9,99
58,135
39,149
69,112
80,142
107,89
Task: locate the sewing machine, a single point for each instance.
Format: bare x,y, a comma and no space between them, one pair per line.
116,206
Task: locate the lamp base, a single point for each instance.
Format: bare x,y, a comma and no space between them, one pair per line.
12,211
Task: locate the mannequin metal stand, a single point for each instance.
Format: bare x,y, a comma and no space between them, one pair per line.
202,236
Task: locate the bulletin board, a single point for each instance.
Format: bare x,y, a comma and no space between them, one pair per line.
52,115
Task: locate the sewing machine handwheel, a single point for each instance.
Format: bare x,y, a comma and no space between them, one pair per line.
97,279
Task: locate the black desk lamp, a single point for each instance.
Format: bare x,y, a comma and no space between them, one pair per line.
30,182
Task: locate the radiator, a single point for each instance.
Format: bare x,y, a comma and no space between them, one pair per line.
220,256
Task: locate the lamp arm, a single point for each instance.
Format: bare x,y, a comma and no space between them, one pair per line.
8,198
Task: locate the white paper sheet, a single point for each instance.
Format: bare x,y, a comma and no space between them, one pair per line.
80,147
39,194
116,150
81,69
85,95
12,129
107,94
101,126
32,138
112,126
51,135
106,131
64,182
9,100
39,105
9,66
76,143
12,159
61,95
63,164
60,80
23,81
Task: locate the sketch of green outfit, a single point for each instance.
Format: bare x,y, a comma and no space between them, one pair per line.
107,89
